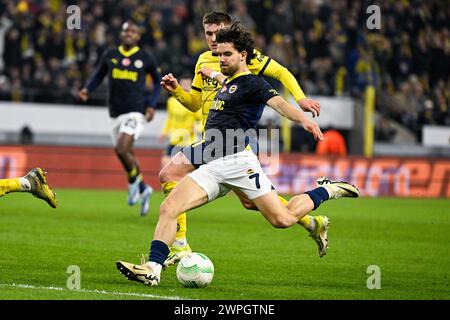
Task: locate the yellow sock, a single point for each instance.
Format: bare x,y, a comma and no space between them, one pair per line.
10,185
134,174
304,221
181,220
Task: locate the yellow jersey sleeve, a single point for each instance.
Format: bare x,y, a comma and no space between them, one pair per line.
192,100
259,63
275,70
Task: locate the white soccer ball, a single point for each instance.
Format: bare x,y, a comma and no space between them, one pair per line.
195,270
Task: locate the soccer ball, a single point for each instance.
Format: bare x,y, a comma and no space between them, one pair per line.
195,270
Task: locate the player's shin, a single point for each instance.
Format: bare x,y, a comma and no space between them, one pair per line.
180,238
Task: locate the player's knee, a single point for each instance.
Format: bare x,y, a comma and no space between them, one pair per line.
168,173
121,150
167,210
249,205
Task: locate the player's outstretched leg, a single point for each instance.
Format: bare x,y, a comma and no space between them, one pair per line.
336,189
178,201
39,187
177,168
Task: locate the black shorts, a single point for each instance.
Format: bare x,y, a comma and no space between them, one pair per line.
169,149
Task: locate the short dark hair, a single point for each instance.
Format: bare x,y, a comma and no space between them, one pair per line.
240,38
216,17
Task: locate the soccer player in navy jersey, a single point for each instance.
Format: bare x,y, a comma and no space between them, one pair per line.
131,104
233,166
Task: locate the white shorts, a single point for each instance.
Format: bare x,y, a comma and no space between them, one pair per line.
130,123
238,171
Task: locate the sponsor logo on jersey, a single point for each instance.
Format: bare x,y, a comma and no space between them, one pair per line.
138,64
124,74
217,105
126,62
250,171
273,91
233,88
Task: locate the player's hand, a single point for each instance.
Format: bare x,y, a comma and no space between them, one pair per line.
83,94
149,114
205,72
313,128
169,82
310,105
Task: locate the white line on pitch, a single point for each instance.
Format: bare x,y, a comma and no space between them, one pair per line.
113,293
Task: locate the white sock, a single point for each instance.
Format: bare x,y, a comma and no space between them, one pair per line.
180,242
156,267
24,184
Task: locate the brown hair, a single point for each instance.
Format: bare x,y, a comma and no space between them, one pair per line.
240,38
216,17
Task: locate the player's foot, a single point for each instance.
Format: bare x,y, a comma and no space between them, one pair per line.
145,200
39,186
177,253
338,189
133,191
142,273
320,234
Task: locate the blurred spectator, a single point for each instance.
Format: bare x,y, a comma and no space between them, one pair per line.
384,131
333,144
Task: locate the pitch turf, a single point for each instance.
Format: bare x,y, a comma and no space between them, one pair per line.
408,239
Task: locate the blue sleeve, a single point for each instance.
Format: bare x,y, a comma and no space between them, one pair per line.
151,98
99,74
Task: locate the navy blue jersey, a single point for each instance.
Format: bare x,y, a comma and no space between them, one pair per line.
127,72
238,106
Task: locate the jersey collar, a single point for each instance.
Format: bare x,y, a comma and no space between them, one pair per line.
237,75
127,53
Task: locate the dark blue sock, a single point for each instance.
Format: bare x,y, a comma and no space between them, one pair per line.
142,186
318,196
158,252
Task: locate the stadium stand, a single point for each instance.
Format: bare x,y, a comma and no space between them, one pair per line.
330,53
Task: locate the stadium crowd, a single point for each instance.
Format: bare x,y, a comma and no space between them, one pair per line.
326,44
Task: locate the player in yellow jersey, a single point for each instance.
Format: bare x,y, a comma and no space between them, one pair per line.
201,96
181,124
34,182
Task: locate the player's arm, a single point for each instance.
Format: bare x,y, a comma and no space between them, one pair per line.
294,114
167,125
263,65
190,100
151,98
96,78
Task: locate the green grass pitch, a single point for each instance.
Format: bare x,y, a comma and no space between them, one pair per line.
408,239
